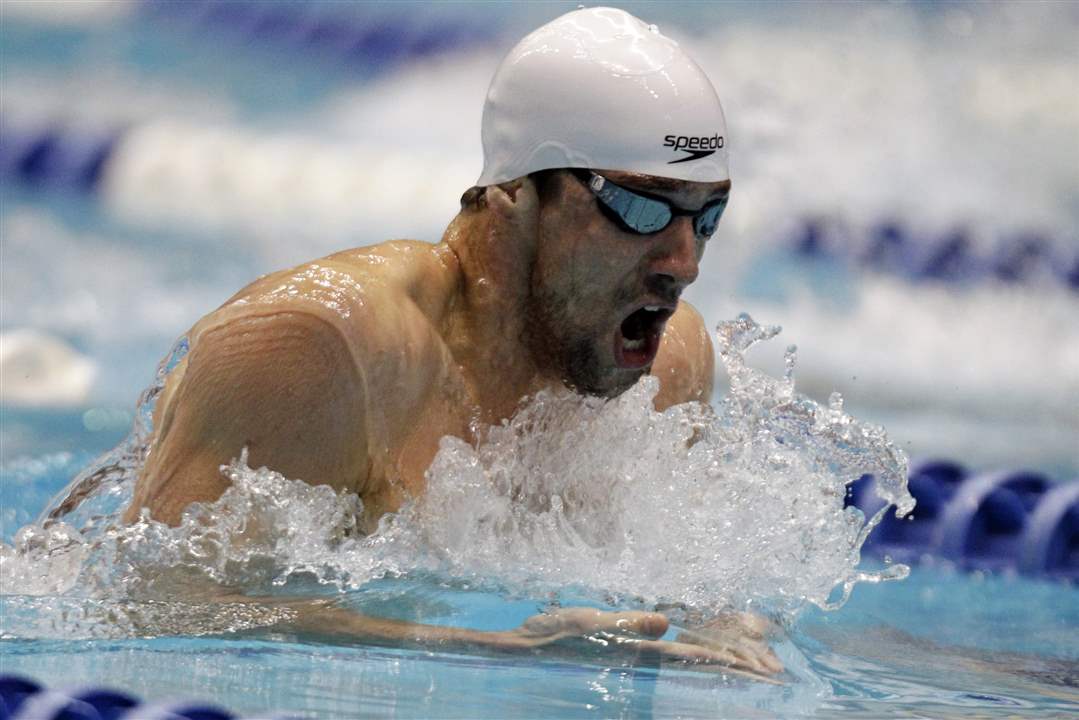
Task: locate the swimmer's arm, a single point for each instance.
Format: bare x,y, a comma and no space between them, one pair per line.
284,385
575,631
685,363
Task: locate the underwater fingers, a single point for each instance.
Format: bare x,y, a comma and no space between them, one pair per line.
747,650
636,634
701,657
579,622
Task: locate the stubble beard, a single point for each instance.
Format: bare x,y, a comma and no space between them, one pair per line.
570,349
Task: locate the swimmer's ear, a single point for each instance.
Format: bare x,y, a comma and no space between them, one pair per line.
517,203
511,223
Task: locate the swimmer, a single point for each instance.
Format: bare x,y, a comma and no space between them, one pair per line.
605,175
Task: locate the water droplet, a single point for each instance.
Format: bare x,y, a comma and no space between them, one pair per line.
790,359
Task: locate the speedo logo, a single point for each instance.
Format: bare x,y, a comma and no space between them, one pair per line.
697,147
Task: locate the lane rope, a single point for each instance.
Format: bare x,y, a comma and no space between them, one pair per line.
999,521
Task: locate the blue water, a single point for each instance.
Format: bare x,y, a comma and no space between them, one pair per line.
876,657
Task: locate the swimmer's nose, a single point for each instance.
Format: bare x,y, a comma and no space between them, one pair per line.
675,262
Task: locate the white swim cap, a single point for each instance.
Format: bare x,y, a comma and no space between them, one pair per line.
598,88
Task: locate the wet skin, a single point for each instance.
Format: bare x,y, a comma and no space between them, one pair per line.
348,370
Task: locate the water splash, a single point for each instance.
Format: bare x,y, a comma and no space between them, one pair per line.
733,507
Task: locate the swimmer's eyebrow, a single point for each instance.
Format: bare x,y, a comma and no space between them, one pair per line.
651,183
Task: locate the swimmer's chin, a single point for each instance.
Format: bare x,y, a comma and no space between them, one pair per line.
618,382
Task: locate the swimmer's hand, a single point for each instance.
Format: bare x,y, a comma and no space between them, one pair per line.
740,636
637,634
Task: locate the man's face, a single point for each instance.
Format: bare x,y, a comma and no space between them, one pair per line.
601,295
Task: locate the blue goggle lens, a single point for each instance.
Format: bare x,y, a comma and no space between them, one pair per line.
707,220
645,215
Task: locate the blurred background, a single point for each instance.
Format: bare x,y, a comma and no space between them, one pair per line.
905,205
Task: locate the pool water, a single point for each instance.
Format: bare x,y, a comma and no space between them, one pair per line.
918,648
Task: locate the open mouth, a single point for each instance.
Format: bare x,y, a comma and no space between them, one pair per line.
637,339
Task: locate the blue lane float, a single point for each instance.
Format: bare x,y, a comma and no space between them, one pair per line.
24,699
951,257
55,156
365,37
999,522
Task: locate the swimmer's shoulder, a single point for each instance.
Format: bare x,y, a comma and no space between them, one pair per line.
354,291
685,364
376,309
345,328
424,273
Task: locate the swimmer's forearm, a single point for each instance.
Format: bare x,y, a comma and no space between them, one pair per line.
325,620
576,631
346,624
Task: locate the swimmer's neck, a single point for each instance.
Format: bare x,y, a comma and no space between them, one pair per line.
485,324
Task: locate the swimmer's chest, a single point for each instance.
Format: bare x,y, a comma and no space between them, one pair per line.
402,449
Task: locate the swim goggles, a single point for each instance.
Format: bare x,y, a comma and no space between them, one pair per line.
644,214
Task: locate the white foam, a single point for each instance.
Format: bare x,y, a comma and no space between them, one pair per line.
41,100
65,13
85,283
291,195
951,366
981,349
41,370
120,301
737,507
